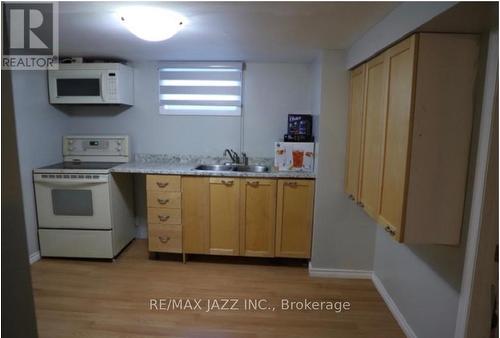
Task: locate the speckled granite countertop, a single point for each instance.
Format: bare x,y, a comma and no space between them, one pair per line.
184,165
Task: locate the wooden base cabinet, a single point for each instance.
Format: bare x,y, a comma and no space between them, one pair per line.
294,218
247,216
257,217
224,216
416,136
196,214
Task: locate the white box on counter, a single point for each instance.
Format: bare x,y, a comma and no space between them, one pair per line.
294,156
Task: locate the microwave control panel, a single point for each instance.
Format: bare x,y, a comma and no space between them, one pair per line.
111,81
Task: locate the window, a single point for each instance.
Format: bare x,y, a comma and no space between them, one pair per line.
200,88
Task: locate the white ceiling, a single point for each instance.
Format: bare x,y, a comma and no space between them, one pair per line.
250,31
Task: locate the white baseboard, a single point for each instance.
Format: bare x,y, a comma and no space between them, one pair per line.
393,307
35,257
339,273
367,274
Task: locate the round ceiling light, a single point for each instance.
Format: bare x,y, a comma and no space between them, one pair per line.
151,23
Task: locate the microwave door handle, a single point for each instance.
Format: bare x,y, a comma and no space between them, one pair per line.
104,83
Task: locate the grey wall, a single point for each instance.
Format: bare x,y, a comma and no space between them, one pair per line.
270,92
39,138
343,235
151,132
402,20
423,281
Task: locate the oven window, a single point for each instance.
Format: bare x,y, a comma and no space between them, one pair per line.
72,202
78,87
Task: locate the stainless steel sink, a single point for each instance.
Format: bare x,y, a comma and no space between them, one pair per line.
215,167
233,167
251,168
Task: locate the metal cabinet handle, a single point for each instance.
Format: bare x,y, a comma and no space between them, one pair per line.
390,231
360,204
253,183
351,197
292,184
163,200
164,239
227,183
163,218
161,184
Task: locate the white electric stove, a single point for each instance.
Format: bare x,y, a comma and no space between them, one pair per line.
83,210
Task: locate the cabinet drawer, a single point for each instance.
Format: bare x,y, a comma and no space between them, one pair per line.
161,199
164,216
165,238
163,183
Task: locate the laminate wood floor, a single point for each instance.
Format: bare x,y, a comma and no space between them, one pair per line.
75,298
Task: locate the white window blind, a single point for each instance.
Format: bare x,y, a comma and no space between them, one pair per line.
200,88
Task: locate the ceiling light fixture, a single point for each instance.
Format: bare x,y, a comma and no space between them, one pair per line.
151,23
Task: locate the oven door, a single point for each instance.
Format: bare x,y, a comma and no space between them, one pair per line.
76,87
73,201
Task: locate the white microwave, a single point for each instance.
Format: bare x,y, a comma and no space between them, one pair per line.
91,83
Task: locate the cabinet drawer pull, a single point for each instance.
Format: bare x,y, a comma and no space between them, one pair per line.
360,204
253,183
164,239
291,184
351,197
163,200
163,218
227,183
161,184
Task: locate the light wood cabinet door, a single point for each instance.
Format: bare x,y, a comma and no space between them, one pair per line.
224,216
400,61
355,132
295,204
373,134
257,217
443,117
195,214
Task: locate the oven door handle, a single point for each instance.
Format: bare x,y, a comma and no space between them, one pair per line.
70,182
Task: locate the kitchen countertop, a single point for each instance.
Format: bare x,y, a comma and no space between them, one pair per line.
182,165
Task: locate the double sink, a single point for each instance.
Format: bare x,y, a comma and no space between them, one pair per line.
233,167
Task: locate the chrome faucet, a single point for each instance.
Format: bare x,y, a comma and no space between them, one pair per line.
235,158
233,155
244,158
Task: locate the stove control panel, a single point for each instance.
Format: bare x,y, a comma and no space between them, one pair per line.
109,148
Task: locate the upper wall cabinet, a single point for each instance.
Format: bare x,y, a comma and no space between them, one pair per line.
414,139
